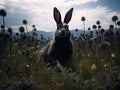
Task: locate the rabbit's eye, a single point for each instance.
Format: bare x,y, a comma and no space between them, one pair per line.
60,25
66,27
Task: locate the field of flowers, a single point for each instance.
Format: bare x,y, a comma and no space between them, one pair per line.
95,60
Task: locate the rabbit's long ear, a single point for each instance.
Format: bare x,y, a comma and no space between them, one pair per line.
68,16
57,15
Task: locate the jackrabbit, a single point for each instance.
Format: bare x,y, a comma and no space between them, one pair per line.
60,48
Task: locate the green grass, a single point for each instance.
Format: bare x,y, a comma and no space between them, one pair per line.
22,62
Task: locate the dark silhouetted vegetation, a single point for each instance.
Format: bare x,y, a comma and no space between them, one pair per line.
95,60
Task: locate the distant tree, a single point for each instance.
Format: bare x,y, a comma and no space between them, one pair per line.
34,32
94,27
83,19
111,27
98,26
98,22
25,23
118,23
114,19
89,28
17,34
34,28
102,31
3,13
2,27
77,31
42,38
10,30
21,30
91,33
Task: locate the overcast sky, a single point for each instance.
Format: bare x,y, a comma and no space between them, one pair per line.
40,12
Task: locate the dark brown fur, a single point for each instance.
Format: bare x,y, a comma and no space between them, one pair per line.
60,48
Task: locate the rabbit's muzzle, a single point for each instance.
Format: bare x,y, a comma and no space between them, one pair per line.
63,33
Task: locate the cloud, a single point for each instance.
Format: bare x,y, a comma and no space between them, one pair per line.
103,14
79,2
40,13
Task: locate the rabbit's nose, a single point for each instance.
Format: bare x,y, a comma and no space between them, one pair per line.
62,32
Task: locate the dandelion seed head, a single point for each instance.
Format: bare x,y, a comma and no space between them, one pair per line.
93,67
112,55
0,71
105,65
88,55
102,60
27,65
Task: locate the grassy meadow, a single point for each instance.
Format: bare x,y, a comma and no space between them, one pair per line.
95,60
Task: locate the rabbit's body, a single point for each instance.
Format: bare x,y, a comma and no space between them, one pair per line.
60,48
